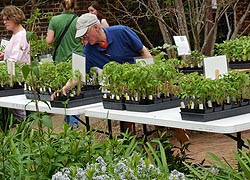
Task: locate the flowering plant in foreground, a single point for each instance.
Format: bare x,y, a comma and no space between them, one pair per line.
133,168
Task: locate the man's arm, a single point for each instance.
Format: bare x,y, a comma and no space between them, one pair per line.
145,52
69,85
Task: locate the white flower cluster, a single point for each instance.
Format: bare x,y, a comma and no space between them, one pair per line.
121,169
62,175
176,175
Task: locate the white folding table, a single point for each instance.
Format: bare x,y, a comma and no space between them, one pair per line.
21,102
172,118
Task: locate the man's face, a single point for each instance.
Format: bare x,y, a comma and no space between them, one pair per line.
90,36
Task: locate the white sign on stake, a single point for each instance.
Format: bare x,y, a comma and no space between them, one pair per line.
79,63
146,60
11,67
215,66
182,44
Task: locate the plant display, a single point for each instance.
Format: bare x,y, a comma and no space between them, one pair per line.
235,50
169,51
139,81
9,80
202,93
194,60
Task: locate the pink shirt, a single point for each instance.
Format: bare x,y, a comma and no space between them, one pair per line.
18,48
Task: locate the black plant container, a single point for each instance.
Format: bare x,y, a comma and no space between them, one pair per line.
30,94
239,64
187,70
86,97
11,91
155,105
114,104
205,117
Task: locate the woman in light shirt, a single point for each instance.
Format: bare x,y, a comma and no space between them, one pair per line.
18,48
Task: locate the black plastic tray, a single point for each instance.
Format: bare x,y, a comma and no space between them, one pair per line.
76,102
239,65
11,92
215,115
153,107
113,105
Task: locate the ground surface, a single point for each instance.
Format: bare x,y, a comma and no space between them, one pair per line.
200,142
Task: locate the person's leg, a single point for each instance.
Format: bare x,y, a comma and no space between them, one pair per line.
72,121
127,126
19,115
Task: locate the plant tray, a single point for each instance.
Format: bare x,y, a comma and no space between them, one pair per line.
44,97
76,102
11,92
191,70
215,115
239,65
153,107
113,105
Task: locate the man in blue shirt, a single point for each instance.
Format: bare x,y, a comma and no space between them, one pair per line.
116,43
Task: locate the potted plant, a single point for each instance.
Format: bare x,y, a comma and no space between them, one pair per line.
82,94
112,74
237,52
11,84
140,86
192,62
206,99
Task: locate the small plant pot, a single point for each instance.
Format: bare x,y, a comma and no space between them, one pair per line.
217,107
235,104
226,106
204,111
114,104
188,110
244,102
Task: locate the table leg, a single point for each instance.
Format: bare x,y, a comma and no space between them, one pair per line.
87,123
110,128
238,139
145,132
4,117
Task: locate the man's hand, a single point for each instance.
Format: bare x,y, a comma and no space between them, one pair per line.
55,94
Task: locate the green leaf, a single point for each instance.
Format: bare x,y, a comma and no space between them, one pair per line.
25,71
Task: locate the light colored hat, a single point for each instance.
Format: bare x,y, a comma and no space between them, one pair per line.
84,22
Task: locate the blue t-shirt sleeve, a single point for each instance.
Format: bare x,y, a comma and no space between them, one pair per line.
133,40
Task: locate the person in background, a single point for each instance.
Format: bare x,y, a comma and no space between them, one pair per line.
116,43
18,49
95,8
68,43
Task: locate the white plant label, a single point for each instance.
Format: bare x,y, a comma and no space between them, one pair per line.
79,63
182,44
